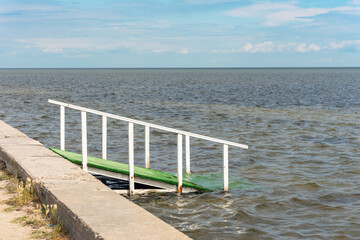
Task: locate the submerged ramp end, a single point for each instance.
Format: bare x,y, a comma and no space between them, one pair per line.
153,176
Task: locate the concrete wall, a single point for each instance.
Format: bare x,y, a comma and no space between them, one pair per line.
87,208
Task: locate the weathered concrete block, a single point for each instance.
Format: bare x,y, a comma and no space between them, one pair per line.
87,208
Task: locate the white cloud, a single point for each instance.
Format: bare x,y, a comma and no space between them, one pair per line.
258,9
345,44
28,8
280,13
292,47
314,47
270,47
293,14
347,10
81,56
303,47
206,2
58,45
264,47
355,2
285,47
158,50
184,51
248,47
52,50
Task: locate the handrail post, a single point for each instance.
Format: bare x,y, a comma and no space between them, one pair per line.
225,167
104,137
62,127
179,162
187,152
131,159
147,147
84,140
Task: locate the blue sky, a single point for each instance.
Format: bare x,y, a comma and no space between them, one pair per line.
174,33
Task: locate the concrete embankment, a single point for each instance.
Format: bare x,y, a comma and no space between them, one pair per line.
87,208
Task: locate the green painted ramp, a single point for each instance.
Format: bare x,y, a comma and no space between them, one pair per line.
123,168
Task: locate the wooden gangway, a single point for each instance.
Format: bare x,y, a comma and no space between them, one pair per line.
162,181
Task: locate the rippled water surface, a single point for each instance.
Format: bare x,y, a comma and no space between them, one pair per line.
300,179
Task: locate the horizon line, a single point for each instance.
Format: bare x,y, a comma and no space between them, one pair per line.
74,68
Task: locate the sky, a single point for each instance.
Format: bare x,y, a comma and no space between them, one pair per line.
175,33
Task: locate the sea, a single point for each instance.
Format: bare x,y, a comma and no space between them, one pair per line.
299,179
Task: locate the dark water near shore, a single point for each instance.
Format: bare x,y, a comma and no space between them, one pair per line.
300,179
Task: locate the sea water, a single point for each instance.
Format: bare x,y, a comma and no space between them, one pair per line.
299,179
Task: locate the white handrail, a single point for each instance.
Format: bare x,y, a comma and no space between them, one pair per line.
147,125
173,130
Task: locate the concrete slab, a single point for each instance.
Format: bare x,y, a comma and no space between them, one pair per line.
87,208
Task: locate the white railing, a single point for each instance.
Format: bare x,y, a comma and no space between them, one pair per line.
131,123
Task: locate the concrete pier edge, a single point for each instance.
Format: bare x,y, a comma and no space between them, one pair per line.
87,208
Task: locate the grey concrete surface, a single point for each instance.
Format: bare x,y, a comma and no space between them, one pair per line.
87,208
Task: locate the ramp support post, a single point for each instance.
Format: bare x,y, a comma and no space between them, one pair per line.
179,163
225,167
84,140
104,137
187,152
147,147
62,128
131,159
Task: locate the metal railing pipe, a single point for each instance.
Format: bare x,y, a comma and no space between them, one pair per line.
84,140
104,137
179,162
62,127
131,159
187,153
226,167
147,147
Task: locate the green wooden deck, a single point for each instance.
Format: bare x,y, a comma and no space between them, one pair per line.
123,168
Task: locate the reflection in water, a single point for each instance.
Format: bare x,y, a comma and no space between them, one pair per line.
214,181
299,179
